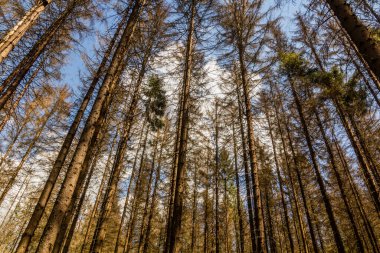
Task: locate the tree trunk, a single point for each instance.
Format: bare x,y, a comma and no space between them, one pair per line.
359,34
175,215
154,194
326,200
237,181
14,79
65,195
284,205
49,185
99,194
298,174
13,36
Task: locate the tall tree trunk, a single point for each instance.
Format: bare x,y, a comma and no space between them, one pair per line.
259,220
155,192
14,79
280,182
237,181
325,197
246,174
146,202
136,197
338,177
65,195
368,47
194,213
13,36
31,145
134,166
216,175
98,195
53,175
298,173
175,215
111,190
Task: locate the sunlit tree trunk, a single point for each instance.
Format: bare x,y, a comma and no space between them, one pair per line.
13,36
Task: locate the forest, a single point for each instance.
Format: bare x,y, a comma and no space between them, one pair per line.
178,126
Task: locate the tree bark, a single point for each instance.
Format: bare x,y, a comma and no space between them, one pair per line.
65,195
358,33
13,36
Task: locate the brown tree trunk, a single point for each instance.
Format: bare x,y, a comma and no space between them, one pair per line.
338,177
111,190
246,174
298,174
216,175
65,195
155,193
14,79
237,181
359,34
13,36
284,205
49,185
175,215
99,194
326,200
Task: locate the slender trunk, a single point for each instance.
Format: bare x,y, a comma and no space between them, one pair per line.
98,196
146,202
205,230
31,145
284,205
65,195
368,227
175,215
259,220
246,174
338,177
298,174
216,174
49,185
13,36
326,199
80,203
154,194
15,103
272,242
111,190
194,213
134,166
368,47
136,196
239,207
14,79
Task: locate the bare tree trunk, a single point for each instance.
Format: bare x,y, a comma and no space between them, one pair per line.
298,174
246,174
26,154
240,216
98,196
175,215
155,193
136,195
13,36
338,177
14,79
326,200
65,195
284,205
359,34
49,185
194,213
216,175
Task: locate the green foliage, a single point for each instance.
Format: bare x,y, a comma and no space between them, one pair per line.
156,102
